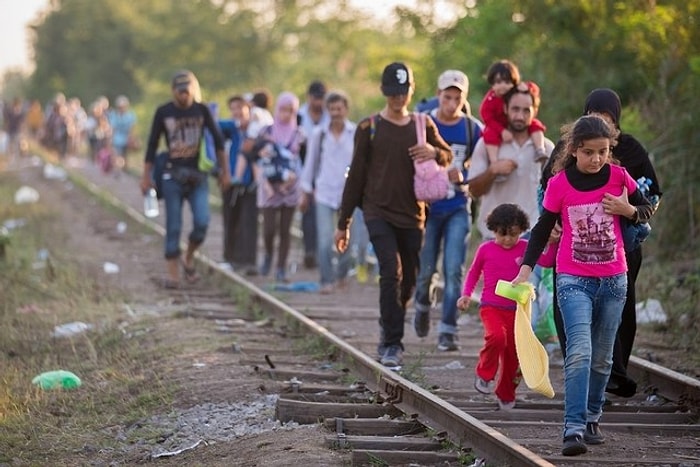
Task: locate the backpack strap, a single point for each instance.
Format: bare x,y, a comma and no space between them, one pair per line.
372,126
420,127
470,134
317,161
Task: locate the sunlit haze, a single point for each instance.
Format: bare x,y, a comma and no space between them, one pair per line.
17,14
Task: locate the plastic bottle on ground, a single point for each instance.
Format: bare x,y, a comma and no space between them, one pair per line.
57,379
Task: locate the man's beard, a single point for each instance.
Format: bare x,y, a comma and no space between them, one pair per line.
517,127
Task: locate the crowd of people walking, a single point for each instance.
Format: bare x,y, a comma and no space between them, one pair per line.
353,185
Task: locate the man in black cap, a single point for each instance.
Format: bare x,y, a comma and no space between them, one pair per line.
312,114
380,181
182,121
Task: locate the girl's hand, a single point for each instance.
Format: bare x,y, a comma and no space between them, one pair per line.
618,205
555,234
523,275
463,302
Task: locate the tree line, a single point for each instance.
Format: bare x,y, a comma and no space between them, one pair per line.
647,50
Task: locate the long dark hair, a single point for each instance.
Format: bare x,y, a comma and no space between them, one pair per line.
583,129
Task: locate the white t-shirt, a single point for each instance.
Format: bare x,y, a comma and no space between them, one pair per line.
519,188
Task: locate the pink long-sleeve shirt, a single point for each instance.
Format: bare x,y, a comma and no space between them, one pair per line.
495,262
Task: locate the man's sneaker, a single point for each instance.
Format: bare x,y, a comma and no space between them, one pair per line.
393,356
481,385
381,350
573,446
505,406
593,435
421,320
446,342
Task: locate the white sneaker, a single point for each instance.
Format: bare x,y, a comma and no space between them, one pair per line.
505,406
482,385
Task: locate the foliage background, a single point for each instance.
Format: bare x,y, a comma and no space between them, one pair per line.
647,50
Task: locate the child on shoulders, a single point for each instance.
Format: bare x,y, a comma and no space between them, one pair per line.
503,76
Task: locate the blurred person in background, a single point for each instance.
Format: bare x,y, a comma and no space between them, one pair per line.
182,122
123,122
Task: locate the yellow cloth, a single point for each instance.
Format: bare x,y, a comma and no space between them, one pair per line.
534,362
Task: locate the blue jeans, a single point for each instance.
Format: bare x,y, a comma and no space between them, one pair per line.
326,219
591,308
452,229
359,237
174,194
397,252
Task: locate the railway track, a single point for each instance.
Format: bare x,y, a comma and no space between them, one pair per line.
428,413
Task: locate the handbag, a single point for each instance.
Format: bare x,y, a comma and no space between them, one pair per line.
207,161
431,181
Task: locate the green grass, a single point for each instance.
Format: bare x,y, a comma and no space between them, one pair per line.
120,381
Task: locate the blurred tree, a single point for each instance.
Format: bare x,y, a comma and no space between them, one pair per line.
84,49
647,50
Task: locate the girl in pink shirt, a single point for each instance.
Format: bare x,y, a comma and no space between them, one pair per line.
496,259
589,196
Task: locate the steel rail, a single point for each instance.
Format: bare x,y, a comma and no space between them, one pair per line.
461,428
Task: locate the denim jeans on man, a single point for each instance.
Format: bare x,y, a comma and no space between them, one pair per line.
591,308
175,193
326,219
452,229
397,252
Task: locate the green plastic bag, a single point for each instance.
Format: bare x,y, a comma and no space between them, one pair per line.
57,379
207,162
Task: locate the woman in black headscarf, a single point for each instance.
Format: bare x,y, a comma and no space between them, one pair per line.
635,158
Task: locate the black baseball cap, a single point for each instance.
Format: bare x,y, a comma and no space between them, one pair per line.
397,79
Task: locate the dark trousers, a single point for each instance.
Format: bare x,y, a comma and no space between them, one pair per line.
397,252
624,340
246,246
231,213
308,230
277,221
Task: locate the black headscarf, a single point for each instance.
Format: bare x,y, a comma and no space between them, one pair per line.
604,100
628,150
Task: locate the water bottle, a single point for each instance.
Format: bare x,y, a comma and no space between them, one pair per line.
150,204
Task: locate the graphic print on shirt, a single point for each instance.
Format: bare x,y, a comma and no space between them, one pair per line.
593,234
184,136
459,152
